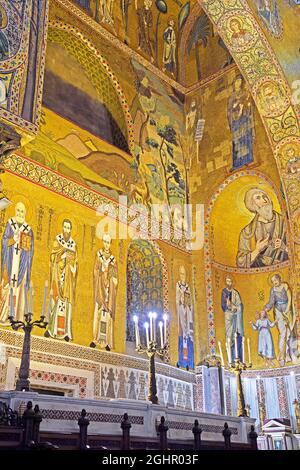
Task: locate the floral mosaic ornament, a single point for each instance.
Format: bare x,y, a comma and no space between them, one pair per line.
23,31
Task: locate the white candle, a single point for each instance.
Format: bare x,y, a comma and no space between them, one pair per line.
243,345
165,318
161,334
221,353
249,352
31,299
49,306
11,303
146,325
137,333
229,349
235,346
154,316
25,301
45,299
151,325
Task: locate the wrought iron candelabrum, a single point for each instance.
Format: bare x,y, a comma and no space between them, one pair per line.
237,367
152,348
27,325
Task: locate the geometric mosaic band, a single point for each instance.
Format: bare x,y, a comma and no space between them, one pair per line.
69,415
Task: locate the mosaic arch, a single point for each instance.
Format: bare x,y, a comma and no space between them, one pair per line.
208,255
261,69
147,283
23,31
96,68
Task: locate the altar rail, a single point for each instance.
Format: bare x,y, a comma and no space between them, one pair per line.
105,416
21,430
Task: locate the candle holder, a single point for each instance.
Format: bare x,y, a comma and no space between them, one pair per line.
23,382
238,367
152,350
27,325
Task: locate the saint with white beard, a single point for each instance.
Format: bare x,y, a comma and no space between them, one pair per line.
263,241
16,262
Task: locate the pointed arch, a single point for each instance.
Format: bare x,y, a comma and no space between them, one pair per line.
147,284
211,262
97,69
261,70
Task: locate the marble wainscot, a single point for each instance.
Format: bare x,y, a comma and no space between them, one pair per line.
60,414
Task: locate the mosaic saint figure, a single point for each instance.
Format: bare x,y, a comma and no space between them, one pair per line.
16,263
241,123
145,20
4,44
271,99
105,295
169,52
232,306
184,307
263,241
280,301
269,12
265,340
86,4
293,163
240,37
124,5
106,11
63,276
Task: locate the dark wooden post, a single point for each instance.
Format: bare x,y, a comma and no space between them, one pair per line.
28,424
227,434
253,438
197,435
125,425
163,439
83,424
37,419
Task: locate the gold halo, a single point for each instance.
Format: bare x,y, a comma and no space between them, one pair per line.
285,147
29,211
237,19
226,275
274,274
4,17
57,225
240,195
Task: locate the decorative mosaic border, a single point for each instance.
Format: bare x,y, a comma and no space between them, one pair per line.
209,262
73,355
69,415
165,282
209,428
93,380
123,102
266,269
59,360
59,378
86,19
260,67
18,64
278,372
30,170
